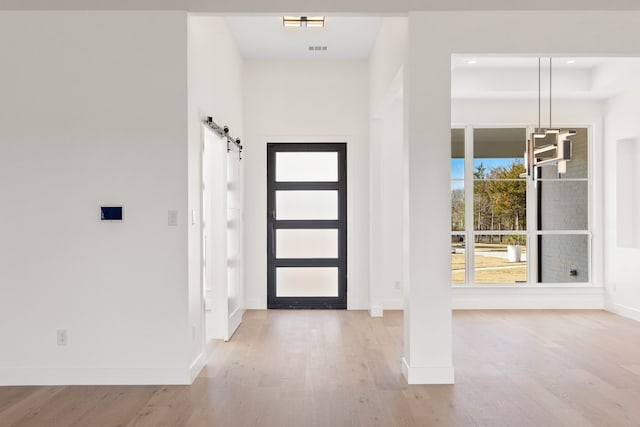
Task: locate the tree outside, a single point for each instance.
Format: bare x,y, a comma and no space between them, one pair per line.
499,204
499,199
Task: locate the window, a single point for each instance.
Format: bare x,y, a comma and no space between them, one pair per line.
458,263
562,229
513,230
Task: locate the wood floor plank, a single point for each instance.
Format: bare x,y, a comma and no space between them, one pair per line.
342,368
117,407
65,408
32,398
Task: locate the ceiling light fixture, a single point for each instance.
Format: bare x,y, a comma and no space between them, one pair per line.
557,153
303,21
472,61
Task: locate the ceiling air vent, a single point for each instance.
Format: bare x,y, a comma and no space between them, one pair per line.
317,48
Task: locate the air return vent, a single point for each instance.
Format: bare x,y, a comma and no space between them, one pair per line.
317,48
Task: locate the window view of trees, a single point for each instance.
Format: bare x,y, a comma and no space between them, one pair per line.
492,246
457,209
499,197
499,204
498,232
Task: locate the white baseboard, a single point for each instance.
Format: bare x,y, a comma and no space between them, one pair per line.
427,374
234,321
196,367
376,311
519,298
623,310
256,304
393,304
357,304
19,376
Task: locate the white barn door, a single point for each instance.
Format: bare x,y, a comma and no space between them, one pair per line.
222,227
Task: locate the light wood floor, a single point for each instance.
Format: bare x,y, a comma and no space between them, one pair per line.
339,368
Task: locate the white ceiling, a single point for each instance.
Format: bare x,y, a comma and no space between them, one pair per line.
336,6
503,77
264,37
472,76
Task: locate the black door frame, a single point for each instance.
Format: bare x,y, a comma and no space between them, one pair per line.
273,301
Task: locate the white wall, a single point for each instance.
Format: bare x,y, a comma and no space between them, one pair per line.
388,56
386,208
215,89
93,111
386,65
622,274
306,101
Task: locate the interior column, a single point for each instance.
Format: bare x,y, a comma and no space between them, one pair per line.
427,107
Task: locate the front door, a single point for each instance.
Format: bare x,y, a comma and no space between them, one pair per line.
307,225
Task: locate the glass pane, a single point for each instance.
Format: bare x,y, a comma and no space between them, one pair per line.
457,179
564,258
457,153
499,194
304,243
307,282
233,256
564,205
307,204
457,259
499,144
305,166
457,206
500,259
500,204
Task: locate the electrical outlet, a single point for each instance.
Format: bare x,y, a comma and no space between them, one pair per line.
62,336
397,285
172,218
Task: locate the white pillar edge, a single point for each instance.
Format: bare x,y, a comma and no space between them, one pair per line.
427,374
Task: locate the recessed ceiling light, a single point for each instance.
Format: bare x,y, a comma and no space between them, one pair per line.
471,61
571,61
303,21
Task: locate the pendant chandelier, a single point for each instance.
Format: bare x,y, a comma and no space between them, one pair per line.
557,153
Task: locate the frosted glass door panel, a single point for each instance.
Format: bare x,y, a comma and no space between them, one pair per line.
306,166
311,204
233,257
304,243
307,282
233,180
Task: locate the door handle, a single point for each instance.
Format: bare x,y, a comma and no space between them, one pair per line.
273,233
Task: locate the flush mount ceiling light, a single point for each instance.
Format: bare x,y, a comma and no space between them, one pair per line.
557,153
303,21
